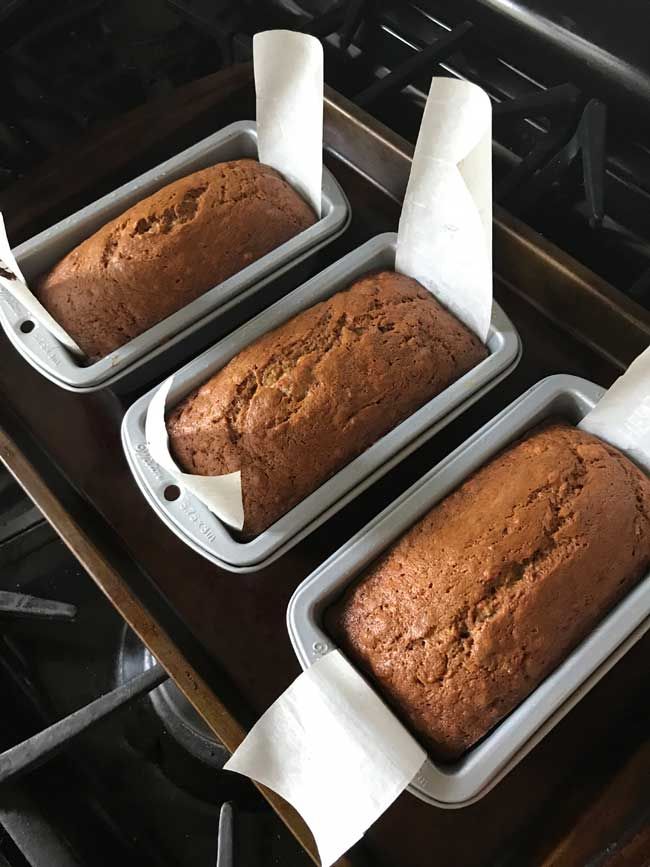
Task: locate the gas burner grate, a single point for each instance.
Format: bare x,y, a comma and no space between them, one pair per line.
554,165
570,155
565,160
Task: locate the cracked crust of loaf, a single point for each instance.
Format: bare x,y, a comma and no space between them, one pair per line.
167,250
301,402
470,610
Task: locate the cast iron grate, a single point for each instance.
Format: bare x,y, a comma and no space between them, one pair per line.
569,158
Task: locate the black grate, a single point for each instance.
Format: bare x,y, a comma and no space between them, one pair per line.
571,132
566,161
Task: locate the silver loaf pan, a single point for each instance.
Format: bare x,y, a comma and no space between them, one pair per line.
468,780
200,529
37,255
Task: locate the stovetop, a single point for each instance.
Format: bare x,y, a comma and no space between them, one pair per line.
126,791
570,83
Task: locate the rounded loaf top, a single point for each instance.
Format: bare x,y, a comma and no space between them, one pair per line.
464,616
168,249
303,400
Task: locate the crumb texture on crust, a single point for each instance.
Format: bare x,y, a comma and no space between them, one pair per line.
168,249
302,401
467,613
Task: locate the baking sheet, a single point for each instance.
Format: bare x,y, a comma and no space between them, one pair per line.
548,349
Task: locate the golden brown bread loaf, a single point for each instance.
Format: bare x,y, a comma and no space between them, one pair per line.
489,592
302,401
167,250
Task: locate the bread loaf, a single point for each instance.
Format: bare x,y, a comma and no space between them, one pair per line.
167,250
302,401
464,616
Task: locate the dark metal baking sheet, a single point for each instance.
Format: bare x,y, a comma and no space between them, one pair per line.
223,638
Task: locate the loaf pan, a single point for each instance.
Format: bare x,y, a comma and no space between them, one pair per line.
200,529
38,254
469,779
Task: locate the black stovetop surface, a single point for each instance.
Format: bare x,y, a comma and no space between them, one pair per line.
75,64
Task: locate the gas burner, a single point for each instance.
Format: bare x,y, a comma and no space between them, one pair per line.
177,715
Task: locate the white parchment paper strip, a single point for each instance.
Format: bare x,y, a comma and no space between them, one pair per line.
332,749
17,287
445,230
622,415
289,88
221,494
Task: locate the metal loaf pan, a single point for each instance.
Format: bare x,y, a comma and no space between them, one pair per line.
35,256
468,780
200,529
